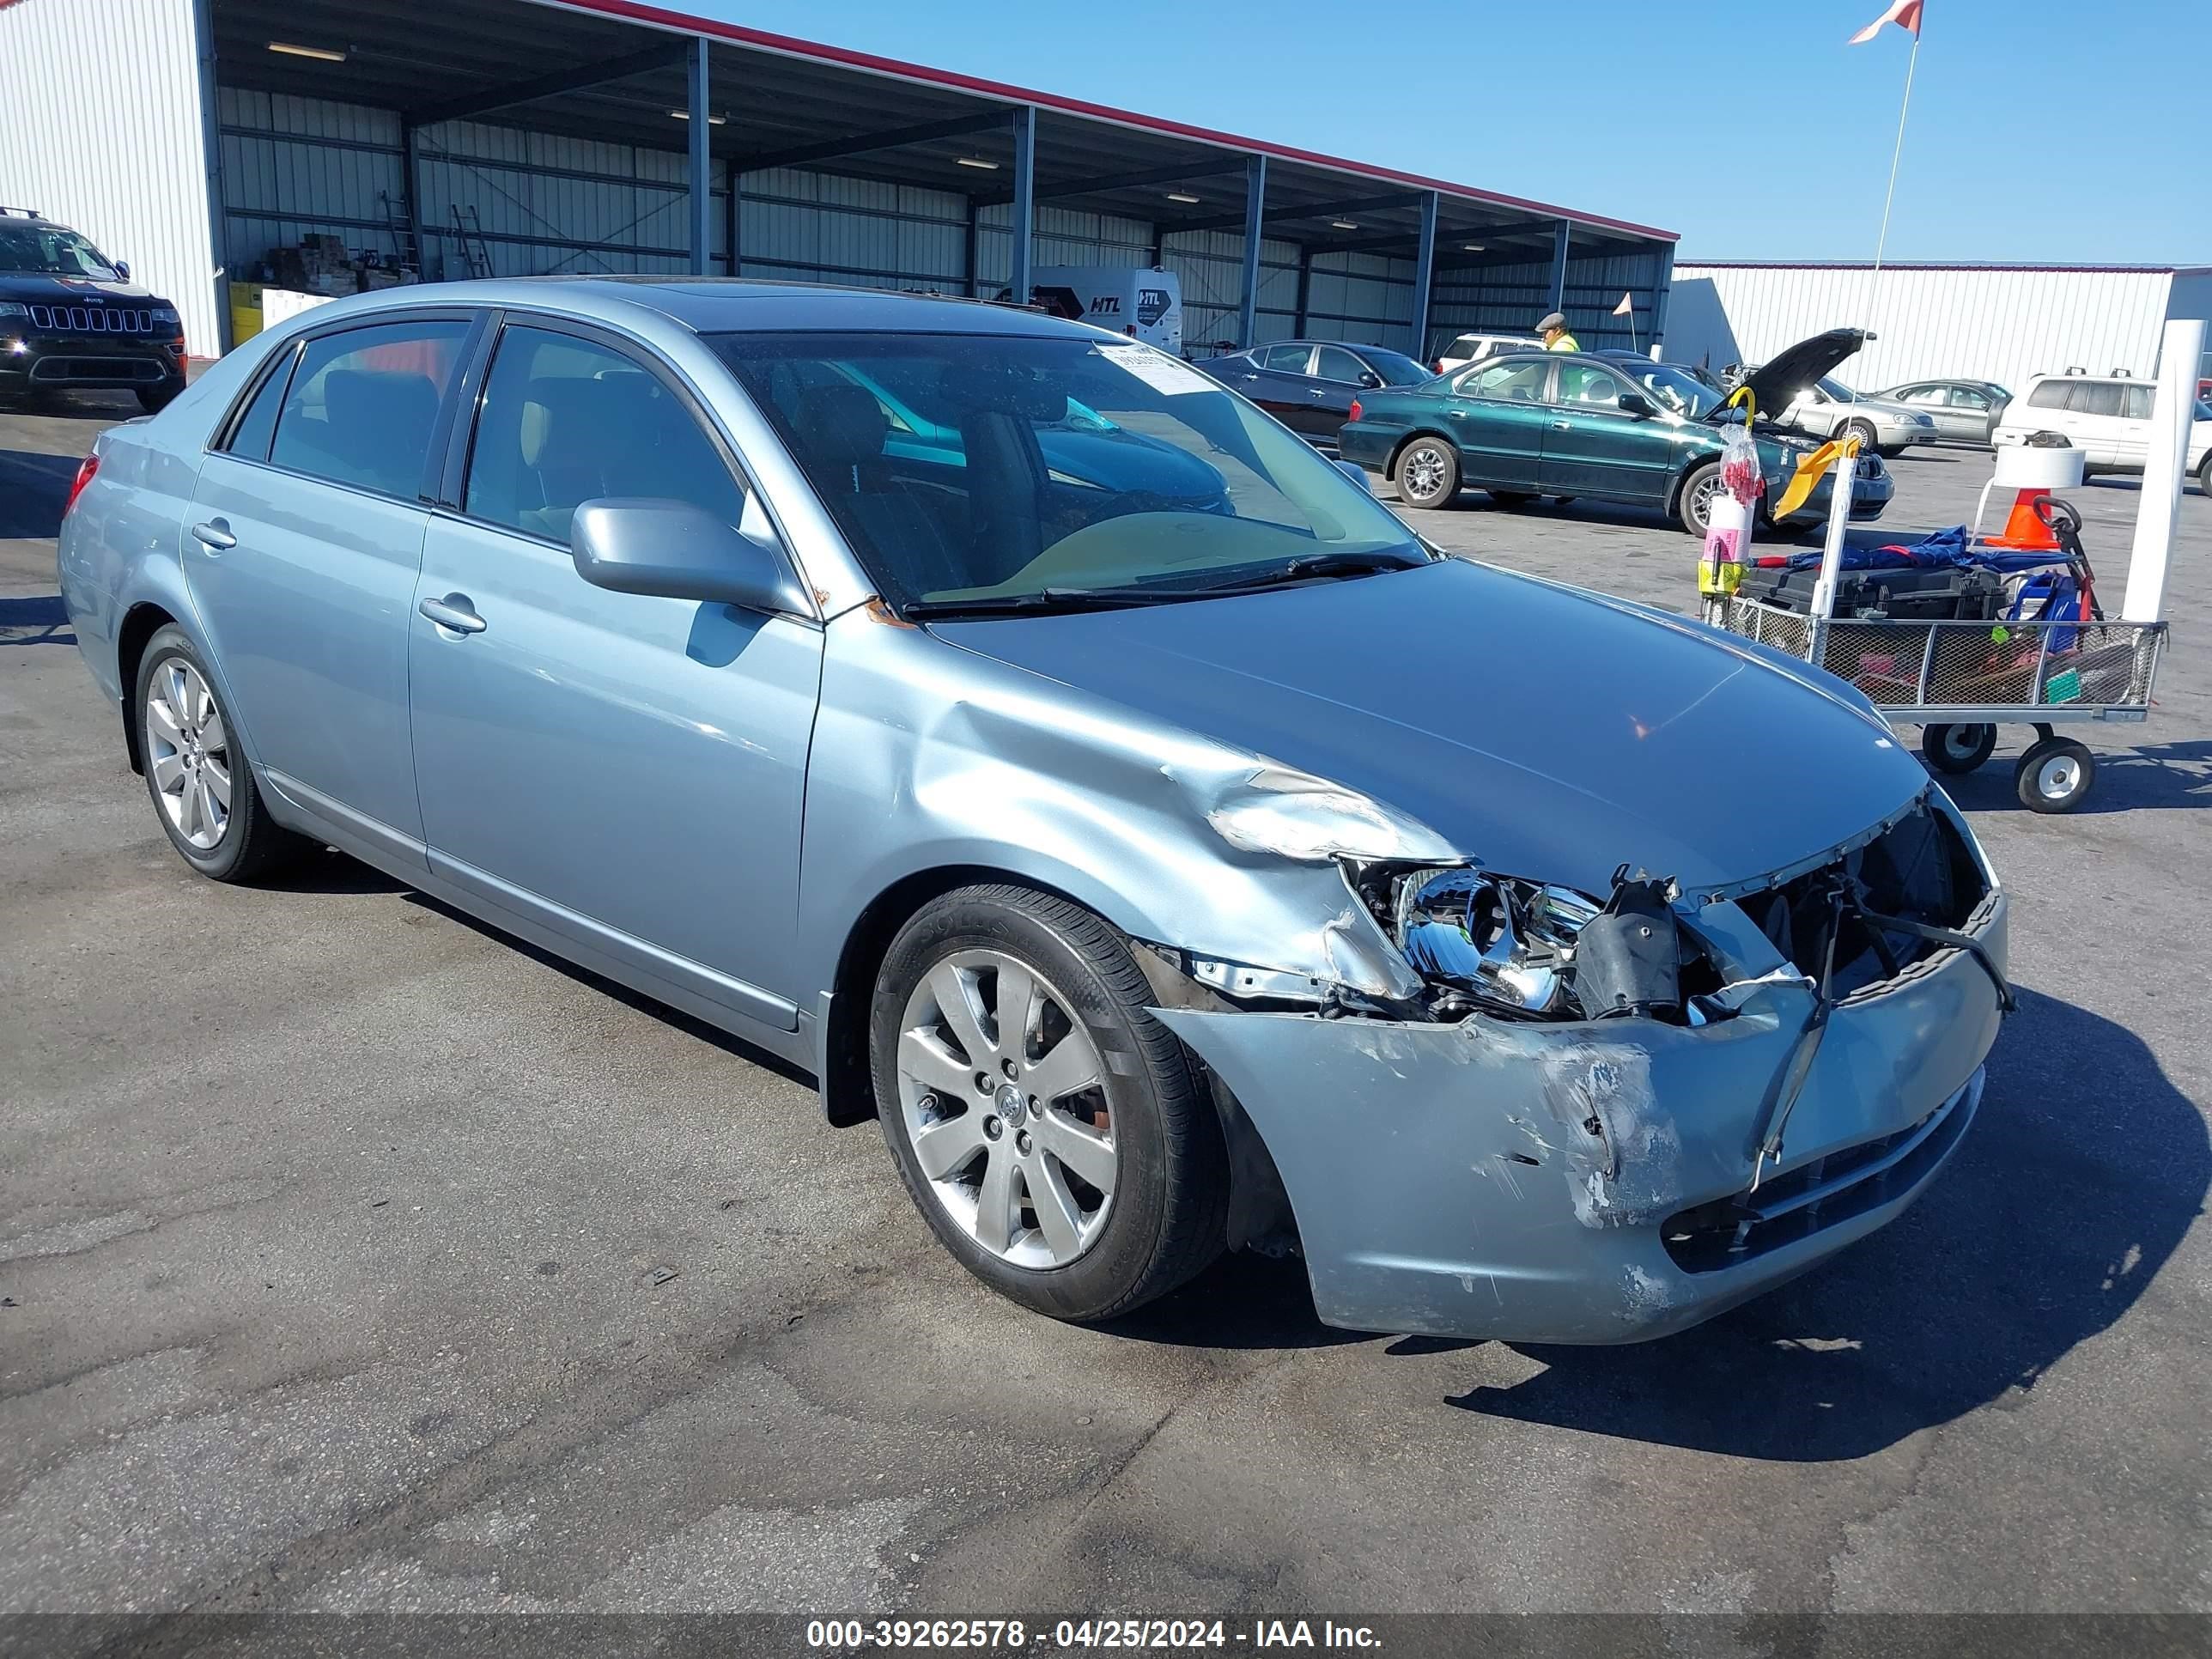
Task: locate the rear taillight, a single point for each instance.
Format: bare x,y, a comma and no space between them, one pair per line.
1355,409
85,470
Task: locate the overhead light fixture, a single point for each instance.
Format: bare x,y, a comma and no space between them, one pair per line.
712,121
977,161
1471,247
1342,224
320,54
1184,197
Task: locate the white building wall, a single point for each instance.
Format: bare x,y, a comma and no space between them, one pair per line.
107,137
1978,322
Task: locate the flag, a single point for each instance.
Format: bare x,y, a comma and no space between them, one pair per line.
1906,14
1627,308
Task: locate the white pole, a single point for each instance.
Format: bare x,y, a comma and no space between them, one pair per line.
2164,470
1881,242
1843,474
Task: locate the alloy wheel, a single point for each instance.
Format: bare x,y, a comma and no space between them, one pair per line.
1703,495
188,753
1423,473
1002,1092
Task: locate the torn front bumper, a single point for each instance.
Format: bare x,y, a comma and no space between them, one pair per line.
1592,1182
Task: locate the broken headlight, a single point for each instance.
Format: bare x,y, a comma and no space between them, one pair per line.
1501,939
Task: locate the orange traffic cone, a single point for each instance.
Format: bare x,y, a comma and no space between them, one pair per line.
2024,529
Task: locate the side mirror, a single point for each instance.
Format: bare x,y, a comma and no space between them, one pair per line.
1635,404
123,270
1357,474
674,550
1370,380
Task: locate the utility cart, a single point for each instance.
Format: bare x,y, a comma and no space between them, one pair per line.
1961,679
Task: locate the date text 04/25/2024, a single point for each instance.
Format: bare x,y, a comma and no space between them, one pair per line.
1082,1635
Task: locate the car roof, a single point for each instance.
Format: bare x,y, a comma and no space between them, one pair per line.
721,305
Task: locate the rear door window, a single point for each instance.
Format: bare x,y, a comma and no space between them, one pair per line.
568,420
2048,394
1518,382
1286,359
363,402
2097,397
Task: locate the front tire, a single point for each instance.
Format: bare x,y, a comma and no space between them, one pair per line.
2204,476
1050,1130
197,773
1869,440
1427,473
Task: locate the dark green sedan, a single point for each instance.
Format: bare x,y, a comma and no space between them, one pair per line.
1569,425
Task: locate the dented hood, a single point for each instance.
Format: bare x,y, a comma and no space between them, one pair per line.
1550,733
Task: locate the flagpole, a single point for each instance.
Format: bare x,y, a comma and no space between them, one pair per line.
1881,242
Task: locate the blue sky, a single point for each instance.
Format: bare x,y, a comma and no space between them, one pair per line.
2040,128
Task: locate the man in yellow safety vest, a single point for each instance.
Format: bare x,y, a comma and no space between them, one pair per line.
1553,329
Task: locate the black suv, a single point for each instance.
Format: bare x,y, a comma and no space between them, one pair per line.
71,316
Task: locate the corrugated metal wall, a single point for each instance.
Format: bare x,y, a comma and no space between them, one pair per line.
1511,299
1981,323
292,165
104,135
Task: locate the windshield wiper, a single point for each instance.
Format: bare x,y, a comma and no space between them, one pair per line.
1046,600
1310,565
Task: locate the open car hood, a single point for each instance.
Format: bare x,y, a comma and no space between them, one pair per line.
1777,382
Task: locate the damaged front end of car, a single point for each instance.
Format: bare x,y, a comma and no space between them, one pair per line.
1541,1113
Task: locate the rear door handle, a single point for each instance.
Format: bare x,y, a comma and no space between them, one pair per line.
1563,426
453,611
215,533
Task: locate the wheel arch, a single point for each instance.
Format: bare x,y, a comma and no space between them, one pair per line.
140,623
1390,466
841,1073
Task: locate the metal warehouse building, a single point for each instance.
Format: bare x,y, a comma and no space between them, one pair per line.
525,137
2002,322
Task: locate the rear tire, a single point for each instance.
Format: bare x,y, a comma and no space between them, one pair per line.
197,773
1696,500
1151,1211
2204,476
1427,473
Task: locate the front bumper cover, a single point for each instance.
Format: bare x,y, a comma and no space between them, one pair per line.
1518,1182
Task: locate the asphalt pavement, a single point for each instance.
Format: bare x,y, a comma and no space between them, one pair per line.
353,1257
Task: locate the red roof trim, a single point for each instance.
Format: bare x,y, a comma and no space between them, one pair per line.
663,17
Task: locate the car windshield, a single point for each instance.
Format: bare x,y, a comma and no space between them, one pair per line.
1395,367
1675,389
50,251
1837,390
966,469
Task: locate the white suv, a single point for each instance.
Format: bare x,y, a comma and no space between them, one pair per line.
2105,417
1473,348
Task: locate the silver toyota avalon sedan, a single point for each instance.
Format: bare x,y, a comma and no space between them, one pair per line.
1076,773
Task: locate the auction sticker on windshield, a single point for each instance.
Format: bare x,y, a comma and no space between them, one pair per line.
1156,369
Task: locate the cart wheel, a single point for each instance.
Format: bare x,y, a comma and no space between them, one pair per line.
2055,775
1957,748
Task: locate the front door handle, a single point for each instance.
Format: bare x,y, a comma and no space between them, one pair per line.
1563,426
453,611
1456,413
215,533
